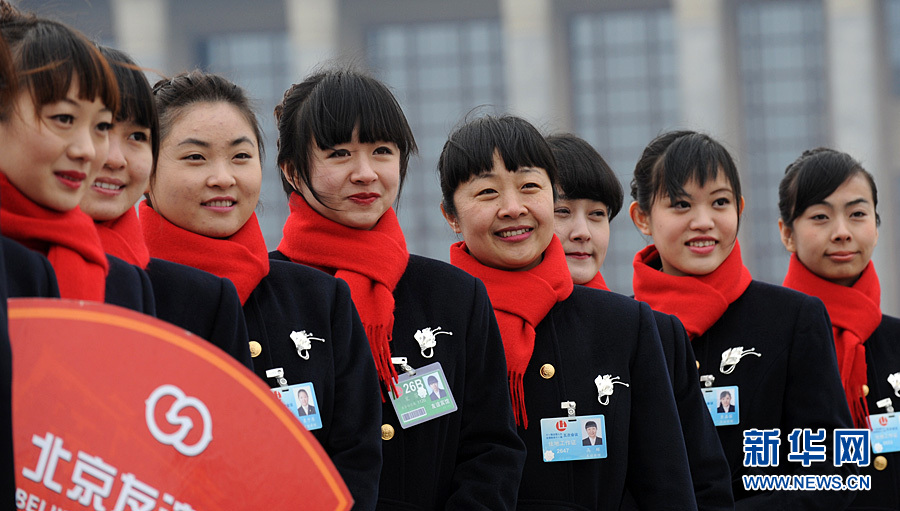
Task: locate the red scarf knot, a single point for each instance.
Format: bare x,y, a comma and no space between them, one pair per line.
855,314
544,286
124,239
697,300
371,262
68,239
241,258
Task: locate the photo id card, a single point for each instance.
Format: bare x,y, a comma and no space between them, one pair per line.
723,405
573,438
885,432
301,401
423,396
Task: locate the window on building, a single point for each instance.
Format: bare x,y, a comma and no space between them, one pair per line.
438,71
783,77
625,92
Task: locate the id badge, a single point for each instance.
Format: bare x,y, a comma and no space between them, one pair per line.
573,438
301,401
423,396
723,405
885,432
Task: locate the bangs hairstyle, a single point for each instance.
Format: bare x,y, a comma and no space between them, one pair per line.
584,174
325,109
48,56
469,152
673,159
136,102
815,175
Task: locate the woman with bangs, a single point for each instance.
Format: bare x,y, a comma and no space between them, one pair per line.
590,196
53,141
576,357
769,347
344,145
303,328
829,223
192,299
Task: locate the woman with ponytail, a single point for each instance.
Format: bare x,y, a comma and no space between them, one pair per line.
576,357
590,196
767,346
195,300
343,148
829,224
301,321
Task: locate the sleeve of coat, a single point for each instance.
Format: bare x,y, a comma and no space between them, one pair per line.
354,439
491,455
658,472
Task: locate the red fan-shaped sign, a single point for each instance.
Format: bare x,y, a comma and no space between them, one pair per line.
115,410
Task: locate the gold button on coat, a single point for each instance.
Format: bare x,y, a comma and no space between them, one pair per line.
698,364
547,371
387,432
865,390
255,349
880,463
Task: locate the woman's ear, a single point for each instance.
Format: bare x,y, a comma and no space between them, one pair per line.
741,209
287,170
451,220
787,237
640,218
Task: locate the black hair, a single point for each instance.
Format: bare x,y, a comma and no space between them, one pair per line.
584,174
8,84
469,152
590,424
175,94
815,175
303,391
48,56
136,97
325,109
673,159
724,393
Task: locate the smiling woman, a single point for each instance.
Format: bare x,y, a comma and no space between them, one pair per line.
202,197
498,177
54,140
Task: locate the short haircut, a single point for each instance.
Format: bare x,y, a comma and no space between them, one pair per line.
584,174
590,424
303,391
815,175
469,152
724,393
325,109
432,379
136,97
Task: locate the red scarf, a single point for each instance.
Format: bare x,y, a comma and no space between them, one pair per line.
69,240
698,301
546,284
855,314
241,258
123,238
597,282
370,261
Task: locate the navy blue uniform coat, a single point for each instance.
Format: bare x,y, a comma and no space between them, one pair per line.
201,303
882,359
596,333
709,468
129,286
793,384
293,298
470,459
23,273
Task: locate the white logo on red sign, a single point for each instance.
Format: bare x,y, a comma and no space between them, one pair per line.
185,424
